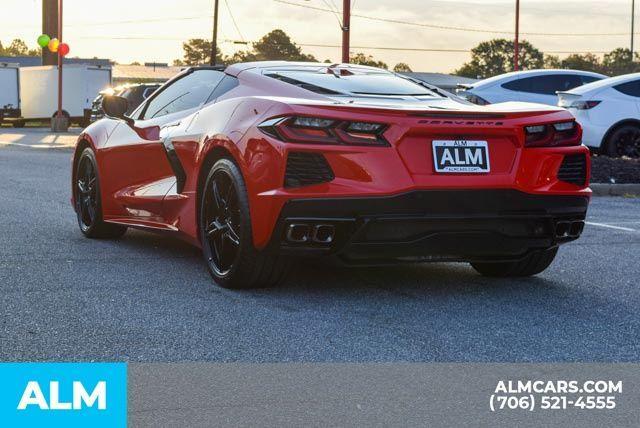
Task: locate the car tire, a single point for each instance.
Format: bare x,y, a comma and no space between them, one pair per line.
624,141
89,202
226,233
18,124
531,265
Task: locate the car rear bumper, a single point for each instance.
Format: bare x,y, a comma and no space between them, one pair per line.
593,135
460,225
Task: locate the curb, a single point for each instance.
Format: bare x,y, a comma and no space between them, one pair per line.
607,189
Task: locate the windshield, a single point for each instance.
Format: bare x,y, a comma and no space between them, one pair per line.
360,82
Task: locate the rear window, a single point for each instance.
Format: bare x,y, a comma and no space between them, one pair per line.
630,88
358,83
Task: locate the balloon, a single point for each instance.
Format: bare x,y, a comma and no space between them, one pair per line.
44,40
63,49
53,45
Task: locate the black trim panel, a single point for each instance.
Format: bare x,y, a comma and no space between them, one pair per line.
456,225
176,165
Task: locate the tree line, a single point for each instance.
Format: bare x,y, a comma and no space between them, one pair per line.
495,57
18,48
488,59
274,46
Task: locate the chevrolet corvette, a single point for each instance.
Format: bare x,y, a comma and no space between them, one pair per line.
259,164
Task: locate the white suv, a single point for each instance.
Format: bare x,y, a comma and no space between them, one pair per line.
534,86
609,112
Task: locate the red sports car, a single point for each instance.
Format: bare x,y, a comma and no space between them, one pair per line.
261,163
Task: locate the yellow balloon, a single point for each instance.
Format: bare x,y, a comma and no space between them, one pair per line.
53,45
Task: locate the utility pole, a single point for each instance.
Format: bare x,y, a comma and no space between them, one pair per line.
50,27
633,19
346,23
516,47
214,41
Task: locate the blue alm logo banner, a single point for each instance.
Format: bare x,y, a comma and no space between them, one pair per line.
63,395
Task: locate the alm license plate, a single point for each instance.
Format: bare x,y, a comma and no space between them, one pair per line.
461,156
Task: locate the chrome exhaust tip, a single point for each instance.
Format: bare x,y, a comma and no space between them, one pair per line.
576,228
298,233
562,229
324,233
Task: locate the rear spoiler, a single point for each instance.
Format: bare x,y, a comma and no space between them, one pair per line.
565,98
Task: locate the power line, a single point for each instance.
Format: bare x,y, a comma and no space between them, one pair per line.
335,12
452,28
320,45
233,19
140,21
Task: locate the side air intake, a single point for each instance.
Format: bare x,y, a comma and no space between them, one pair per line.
574,170
305,169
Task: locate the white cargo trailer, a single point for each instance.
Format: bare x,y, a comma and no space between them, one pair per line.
80,85
9,91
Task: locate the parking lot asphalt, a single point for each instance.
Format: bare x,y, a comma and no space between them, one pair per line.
149,298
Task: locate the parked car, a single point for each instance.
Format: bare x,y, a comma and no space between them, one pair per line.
265,162
135,95
609,112
534,86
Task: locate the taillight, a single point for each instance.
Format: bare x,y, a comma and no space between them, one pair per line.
584,105
557,134
317,130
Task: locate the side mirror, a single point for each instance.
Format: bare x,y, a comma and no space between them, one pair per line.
116,107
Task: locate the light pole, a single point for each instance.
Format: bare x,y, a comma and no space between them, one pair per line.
516,47
214,41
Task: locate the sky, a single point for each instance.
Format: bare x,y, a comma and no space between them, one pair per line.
153,30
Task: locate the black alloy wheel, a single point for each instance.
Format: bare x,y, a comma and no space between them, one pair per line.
625,142
221,222
226,233
88,204
86,195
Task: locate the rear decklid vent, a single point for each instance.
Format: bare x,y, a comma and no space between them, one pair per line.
574,170
305,169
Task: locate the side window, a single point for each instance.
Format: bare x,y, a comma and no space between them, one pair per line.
630,88
134,98
589,79
227,84
545,85
189,91
568,82
520,85
148,91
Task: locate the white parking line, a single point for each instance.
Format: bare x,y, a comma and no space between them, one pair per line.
626,229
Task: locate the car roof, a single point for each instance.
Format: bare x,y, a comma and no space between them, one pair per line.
605,83
513,75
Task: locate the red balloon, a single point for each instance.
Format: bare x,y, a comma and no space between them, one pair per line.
63,49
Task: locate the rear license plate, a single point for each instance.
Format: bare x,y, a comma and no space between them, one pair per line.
461,156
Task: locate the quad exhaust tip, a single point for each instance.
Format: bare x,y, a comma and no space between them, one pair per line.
301,233
323,233
569,229
298,233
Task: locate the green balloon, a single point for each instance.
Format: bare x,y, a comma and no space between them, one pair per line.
44,40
